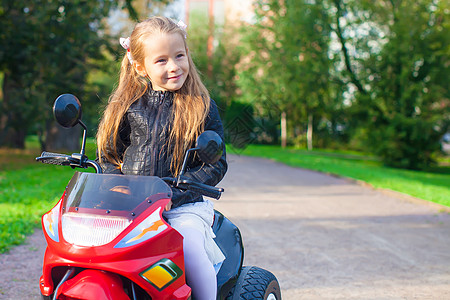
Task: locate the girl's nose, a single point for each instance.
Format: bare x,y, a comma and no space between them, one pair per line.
173,66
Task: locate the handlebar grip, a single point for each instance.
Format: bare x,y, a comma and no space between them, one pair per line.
54,158
213,193
187,184
46,154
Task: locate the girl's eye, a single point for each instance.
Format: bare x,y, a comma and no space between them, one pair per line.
180,55
160,60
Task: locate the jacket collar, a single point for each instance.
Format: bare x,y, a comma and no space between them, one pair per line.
158,97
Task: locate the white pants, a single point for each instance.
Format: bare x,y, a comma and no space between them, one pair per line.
201,253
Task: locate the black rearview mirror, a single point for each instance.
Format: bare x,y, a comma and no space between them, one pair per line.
209,147
67,110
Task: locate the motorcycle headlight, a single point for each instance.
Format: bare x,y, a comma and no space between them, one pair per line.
91,230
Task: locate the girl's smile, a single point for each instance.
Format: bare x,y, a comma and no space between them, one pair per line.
166,62
175,77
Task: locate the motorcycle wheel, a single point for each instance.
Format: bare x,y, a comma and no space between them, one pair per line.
255,283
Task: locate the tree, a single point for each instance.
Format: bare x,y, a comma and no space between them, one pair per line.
400,71
218,73
48,48
287,67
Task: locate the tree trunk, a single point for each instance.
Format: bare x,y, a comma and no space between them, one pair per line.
12,123
13,138
309,134
63,139
283,130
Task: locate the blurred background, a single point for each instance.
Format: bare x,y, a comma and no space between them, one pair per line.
367,76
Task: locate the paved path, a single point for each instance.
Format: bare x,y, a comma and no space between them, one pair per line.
323,237
329,238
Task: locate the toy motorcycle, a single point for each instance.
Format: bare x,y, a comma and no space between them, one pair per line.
107,237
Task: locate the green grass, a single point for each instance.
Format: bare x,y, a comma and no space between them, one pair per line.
28,189
433,185
25,195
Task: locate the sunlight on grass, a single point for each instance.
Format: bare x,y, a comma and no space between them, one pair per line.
28,189
25,195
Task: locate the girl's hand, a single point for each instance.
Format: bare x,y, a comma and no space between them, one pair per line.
121,189
168,205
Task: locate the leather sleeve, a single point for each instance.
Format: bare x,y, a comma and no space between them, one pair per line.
122,143
210,174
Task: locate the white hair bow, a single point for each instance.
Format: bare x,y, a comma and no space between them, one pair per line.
182,26
125,43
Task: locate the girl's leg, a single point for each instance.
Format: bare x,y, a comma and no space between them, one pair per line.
200,273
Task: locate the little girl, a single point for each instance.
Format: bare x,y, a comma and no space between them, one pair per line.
157,111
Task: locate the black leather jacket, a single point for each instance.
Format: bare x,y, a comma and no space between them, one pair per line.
143,148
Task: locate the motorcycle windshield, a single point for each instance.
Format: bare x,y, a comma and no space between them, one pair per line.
98,207
113,195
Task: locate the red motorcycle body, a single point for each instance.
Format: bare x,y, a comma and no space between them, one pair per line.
113,242
107,237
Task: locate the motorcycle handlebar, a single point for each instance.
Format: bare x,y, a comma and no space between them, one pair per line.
213,193
95,165
81,161
54,159
75,160
187,184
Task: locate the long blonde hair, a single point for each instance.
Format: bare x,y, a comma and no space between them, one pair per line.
190,104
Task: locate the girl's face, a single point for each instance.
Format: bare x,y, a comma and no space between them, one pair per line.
166,62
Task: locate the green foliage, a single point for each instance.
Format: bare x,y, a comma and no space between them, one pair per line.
198,41
405,142
49,48
219,70
373,74
432,186
402,77
218,74
287,68
239,124
99,85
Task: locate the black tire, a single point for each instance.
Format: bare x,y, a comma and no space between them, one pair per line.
255,284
